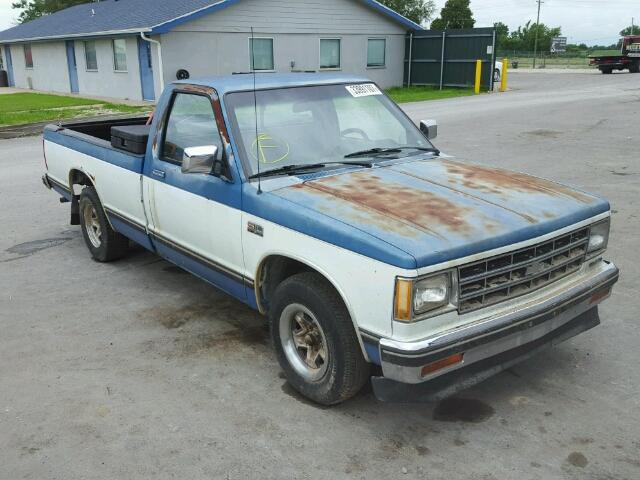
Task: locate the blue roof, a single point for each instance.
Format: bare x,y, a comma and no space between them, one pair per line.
242,82
111,17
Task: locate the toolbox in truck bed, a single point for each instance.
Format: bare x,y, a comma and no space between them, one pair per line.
132,138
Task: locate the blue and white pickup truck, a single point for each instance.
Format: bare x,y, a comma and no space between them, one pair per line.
314,199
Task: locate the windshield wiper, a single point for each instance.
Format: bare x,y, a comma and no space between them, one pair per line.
372,152
302,167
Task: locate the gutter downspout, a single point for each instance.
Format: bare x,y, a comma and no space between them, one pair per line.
160,68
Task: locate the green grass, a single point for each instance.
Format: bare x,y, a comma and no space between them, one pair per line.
605,53
419,94
24,108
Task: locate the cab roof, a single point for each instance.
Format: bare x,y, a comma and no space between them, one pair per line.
264,81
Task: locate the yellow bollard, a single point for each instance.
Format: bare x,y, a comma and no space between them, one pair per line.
503,78
478,76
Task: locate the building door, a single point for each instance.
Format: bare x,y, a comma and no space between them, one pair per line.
73,66
146,70
7,55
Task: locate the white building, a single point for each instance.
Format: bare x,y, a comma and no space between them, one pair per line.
117,48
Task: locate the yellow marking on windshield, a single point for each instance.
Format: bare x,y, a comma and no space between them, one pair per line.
271,149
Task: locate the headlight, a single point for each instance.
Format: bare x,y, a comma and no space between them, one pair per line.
415,297
598,237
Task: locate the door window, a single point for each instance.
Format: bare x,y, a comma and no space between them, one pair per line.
191,124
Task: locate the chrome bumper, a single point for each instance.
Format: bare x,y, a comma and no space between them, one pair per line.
534,326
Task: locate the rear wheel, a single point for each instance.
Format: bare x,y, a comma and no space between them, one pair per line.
104,243
315,340
635,68
606,71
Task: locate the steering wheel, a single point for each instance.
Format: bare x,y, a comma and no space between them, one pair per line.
359,131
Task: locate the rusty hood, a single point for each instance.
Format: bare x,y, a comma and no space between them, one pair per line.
438,210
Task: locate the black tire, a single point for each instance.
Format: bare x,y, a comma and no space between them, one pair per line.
346,369
635,68
606,71
108,245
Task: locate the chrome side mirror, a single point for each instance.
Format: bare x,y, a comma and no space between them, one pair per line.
429,128
199,159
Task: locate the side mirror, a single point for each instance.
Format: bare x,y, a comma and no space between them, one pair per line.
429,128
199,159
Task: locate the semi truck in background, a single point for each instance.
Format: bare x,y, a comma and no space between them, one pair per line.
629,57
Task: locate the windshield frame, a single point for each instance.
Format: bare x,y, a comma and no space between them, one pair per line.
237,136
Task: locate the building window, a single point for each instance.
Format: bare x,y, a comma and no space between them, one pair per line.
119,55
329,53
191,124
261,53
90,56
28,56
376,52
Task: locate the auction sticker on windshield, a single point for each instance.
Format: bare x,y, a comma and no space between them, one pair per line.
363,90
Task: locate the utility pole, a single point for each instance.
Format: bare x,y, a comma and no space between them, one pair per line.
535,44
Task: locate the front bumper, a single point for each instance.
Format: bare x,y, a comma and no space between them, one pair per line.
491,345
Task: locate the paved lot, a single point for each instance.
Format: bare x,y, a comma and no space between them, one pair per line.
134,369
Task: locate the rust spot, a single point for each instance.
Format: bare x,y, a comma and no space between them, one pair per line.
502,182
408,206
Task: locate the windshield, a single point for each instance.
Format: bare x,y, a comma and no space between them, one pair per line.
317,124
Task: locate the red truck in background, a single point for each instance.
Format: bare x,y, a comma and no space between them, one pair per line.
629,57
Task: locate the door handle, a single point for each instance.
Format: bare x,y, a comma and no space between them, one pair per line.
158,173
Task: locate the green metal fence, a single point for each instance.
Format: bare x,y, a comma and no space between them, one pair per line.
448,58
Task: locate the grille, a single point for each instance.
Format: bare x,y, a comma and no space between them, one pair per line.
510,275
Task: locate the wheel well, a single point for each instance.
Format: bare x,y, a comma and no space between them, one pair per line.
272,272
77,177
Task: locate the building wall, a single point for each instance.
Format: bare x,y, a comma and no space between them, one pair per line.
218,43
49,72
224,53
296,16
106,82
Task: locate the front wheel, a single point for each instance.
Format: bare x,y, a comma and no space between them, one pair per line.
315,340
635,68
104,243
606,71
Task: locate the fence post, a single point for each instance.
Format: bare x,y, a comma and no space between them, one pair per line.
410,59
503,78
444,36
478,76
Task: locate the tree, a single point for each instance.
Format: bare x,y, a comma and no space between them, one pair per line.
502,33
630,30
523,38
454,14
32,9
417,11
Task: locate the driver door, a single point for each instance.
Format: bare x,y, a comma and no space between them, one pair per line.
194,218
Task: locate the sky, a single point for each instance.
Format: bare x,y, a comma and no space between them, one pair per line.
583,21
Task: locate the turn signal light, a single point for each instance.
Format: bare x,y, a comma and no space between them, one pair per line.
403,300
442,363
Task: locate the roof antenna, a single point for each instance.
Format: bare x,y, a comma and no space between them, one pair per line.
255,108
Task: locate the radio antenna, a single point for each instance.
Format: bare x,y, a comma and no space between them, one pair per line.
255,107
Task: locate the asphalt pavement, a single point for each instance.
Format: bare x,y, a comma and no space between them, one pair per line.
136,369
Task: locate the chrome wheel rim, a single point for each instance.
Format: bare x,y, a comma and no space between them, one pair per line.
92,224
303,341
